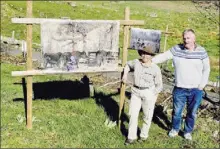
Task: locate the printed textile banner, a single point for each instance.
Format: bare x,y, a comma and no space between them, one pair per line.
70,45
143,37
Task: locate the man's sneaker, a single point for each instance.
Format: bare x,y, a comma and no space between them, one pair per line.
188,136
141,139
173,133
129,141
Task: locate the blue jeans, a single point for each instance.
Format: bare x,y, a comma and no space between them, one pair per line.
181,96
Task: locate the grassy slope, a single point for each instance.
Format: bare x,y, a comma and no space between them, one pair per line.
80,123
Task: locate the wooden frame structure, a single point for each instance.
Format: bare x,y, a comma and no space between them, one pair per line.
29,21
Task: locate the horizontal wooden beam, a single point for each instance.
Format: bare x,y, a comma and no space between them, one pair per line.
131,22
40,20
165,32
58,72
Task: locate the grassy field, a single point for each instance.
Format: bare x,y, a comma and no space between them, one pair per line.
69,121
63,115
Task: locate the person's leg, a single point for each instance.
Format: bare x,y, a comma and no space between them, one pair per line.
179,99
193,103
148,104
134,108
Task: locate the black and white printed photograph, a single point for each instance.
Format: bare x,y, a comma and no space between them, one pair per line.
71,45
141,38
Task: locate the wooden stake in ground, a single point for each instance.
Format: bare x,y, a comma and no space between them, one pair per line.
124,60
29,66
165,46
165,40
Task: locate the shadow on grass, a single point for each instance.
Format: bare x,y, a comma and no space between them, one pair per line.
111,107
160,118
58,89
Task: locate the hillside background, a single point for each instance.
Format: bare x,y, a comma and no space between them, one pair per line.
156,14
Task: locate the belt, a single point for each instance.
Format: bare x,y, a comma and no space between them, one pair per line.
141,88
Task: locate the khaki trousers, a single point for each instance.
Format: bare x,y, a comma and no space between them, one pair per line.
144,99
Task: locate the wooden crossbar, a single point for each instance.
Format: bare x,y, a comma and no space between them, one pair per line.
40,20
166,32
57,72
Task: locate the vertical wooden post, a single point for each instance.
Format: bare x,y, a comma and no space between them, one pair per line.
124,60
165,45
126,37
13,36
165,41
29,66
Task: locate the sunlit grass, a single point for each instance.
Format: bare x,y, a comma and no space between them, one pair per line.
64,123
77,123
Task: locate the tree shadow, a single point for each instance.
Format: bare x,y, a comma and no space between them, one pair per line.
160,118
58,89
111,108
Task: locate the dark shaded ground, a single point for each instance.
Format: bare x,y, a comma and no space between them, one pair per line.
58,89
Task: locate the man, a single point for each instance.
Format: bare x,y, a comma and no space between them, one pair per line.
147,85
192,68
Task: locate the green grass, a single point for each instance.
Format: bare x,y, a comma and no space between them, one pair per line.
63,123
78,123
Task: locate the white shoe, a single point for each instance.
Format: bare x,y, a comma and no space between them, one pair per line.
173,133
188,136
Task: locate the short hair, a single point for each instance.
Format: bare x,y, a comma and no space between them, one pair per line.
188,30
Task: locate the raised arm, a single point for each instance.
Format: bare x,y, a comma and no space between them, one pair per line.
162,57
